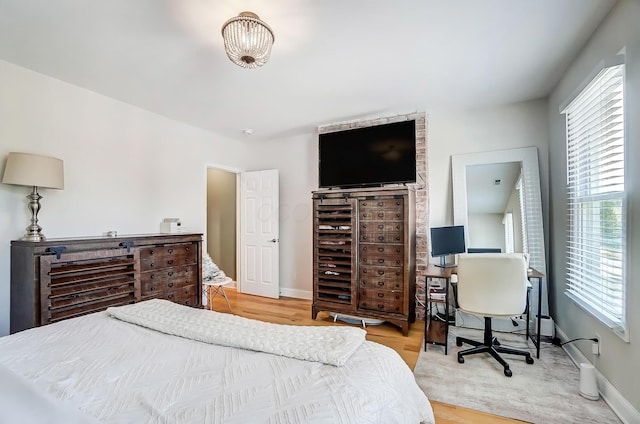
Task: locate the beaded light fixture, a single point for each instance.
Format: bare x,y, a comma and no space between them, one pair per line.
247,40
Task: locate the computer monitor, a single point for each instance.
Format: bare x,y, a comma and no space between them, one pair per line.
447,241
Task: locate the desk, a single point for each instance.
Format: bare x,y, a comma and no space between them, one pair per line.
434,271
445,274
533,274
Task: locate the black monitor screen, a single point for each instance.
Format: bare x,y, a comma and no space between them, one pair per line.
447,240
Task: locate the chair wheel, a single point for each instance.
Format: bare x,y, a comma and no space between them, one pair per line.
458,342
460,359
508,372
529,360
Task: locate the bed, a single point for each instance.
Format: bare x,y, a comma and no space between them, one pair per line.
159,362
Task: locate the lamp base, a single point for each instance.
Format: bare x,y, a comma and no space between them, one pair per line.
34,237
34,231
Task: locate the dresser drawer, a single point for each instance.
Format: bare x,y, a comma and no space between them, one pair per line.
184,295
382,279
381,232
382,210
382,255
381,300
167,256
167,279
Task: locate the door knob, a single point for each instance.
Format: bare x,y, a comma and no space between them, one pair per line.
274,240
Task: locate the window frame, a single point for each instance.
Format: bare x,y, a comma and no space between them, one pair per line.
617,322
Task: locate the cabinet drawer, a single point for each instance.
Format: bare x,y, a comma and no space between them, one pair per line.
387,280
167,279
381,232
381,255
381,300
382,209
184,295
167,256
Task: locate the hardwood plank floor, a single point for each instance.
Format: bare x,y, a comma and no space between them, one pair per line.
298,312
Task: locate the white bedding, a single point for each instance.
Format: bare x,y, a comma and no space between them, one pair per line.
329,345
117,372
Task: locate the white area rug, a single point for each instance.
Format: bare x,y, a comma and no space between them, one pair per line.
546,392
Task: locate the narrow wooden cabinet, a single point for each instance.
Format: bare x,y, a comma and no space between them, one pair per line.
364,254
59,279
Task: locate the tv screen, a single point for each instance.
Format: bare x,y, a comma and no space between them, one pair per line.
371,156
447,240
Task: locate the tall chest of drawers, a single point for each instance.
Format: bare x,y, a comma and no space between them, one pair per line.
58,279
364,254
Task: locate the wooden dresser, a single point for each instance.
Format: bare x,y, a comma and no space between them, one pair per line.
364,254
58,279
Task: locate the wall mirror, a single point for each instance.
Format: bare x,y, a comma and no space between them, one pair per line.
496,196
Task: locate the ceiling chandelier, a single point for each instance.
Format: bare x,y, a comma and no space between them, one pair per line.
247,40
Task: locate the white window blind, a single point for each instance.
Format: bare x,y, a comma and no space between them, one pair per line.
508,232
596,253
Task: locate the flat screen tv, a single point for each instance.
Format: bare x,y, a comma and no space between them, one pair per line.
447,241
370,156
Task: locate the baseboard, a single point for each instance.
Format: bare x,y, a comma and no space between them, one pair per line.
621,406
296,294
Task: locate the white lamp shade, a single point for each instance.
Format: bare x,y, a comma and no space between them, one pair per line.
34,170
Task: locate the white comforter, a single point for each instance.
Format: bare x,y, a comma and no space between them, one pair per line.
117,372
330,345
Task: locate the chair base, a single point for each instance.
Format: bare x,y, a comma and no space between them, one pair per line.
218,289
491,346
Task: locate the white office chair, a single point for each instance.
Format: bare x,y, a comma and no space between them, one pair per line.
215,287
492,285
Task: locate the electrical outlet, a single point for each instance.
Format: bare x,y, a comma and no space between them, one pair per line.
596,347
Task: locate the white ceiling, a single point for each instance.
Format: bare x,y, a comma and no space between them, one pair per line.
332,61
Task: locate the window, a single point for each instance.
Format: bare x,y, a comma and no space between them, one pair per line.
596,255
508,232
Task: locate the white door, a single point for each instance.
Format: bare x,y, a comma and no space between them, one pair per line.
259,233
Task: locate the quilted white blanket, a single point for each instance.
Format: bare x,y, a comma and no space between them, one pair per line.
329,345
97,368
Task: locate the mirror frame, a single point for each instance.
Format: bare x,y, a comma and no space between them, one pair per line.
528,156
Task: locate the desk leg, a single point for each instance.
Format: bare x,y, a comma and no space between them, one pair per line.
539,318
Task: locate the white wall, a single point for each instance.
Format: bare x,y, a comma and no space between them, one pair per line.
512,126
618,362
125,168
507,127
485,230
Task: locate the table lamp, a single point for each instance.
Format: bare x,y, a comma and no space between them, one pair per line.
35,171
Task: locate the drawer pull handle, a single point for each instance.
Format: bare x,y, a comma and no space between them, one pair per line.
380,294
364,259
381,283
170,273
398,261
397,215
380,215
151,252
364,226
364,271
170,250
364,237
381,272
381,238
380,249
170,284
364,248
381,227
152,276
170,262
380,306
186,248
380,261
397,238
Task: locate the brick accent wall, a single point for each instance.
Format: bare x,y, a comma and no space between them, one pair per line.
421,188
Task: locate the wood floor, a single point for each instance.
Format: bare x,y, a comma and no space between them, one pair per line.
298,311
